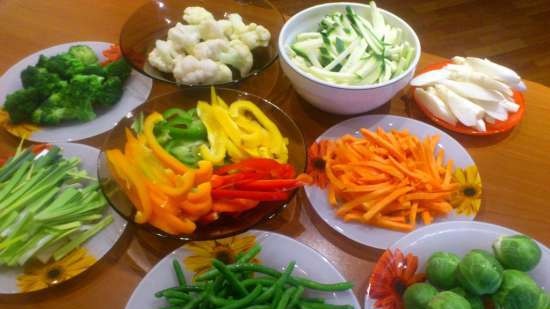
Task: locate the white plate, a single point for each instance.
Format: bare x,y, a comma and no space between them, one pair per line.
277,251
98,245
374,236
136,91
460,238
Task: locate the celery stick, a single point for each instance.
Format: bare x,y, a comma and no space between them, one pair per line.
82,238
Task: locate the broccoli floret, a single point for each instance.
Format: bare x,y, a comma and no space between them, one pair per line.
21,104
64,65
111,92
94,69
45,82
120,69
61,107
84,53
85,87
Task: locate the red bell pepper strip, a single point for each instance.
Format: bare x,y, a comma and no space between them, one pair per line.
231,179
253,164
252,195
36,149
269,185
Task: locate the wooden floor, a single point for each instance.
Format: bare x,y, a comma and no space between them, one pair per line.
515,33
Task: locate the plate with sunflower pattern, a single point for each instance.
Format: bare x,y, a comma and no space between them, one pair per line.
36,275
277,251
404,262
466,201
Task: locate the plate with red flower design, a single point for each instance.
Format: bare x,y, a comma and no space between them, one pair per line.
276,252
405,261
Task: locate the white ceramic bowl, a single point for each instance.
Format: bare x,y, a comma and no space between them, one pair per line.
334,98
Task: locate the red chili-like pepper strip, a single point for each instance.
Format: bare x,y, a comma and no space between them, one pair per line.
252,195
36,149
269,185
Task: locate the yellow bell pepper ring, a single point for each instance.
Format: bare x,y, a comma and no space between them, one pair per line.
163,155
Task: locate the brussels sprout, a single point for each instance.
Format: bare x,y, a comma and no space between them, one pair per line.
418,295
544,301
479,273
518,291
448,300
441,270
517,252
475,301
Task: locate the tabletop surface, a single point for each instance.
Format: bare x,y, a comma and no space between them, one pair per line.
515,166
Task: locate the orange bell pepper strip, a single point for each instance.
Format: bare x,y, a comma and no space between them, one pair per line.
209,217
234,205
144,208
204,172
199,201
185,183
172,224
163,155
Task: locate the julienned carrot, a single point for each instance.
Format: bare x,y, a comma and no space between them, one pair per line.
387,179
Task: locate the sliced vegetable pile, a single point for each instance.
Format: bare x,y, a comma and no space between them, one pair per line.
470,91
205,50
167,170
68,86
384,179
350,49
47,208
478,280
235,286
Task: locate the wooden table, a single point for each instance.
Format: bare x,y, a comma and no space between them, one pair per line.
515,167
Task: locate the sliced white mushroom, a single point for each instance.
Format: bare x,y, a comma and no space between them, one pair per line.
467,112
430,78
493,109
470,90
494,70
434,104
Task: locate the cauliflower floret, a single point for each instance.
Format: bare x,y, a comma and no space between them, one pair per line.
237,22
184,37
212,30
238,56
162,56
210,49
253,36
192,71
195,15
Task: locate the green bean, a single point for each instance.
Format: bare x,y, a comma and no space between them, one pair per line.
285,298
230,277
324,306
194,302
245,300
179,273
176,294
258,307
176,301
217,301
189,288
282,281
314,285
296,296
265,281
250,254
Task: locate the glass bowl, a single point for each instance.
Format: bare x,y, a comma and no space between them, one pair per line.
152,21
187,98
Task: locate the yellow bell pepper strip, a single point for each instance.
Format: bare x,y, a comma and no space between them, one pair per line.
158,150
144,208
228,125
276,145
234,152
204,172
216,138
184,184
